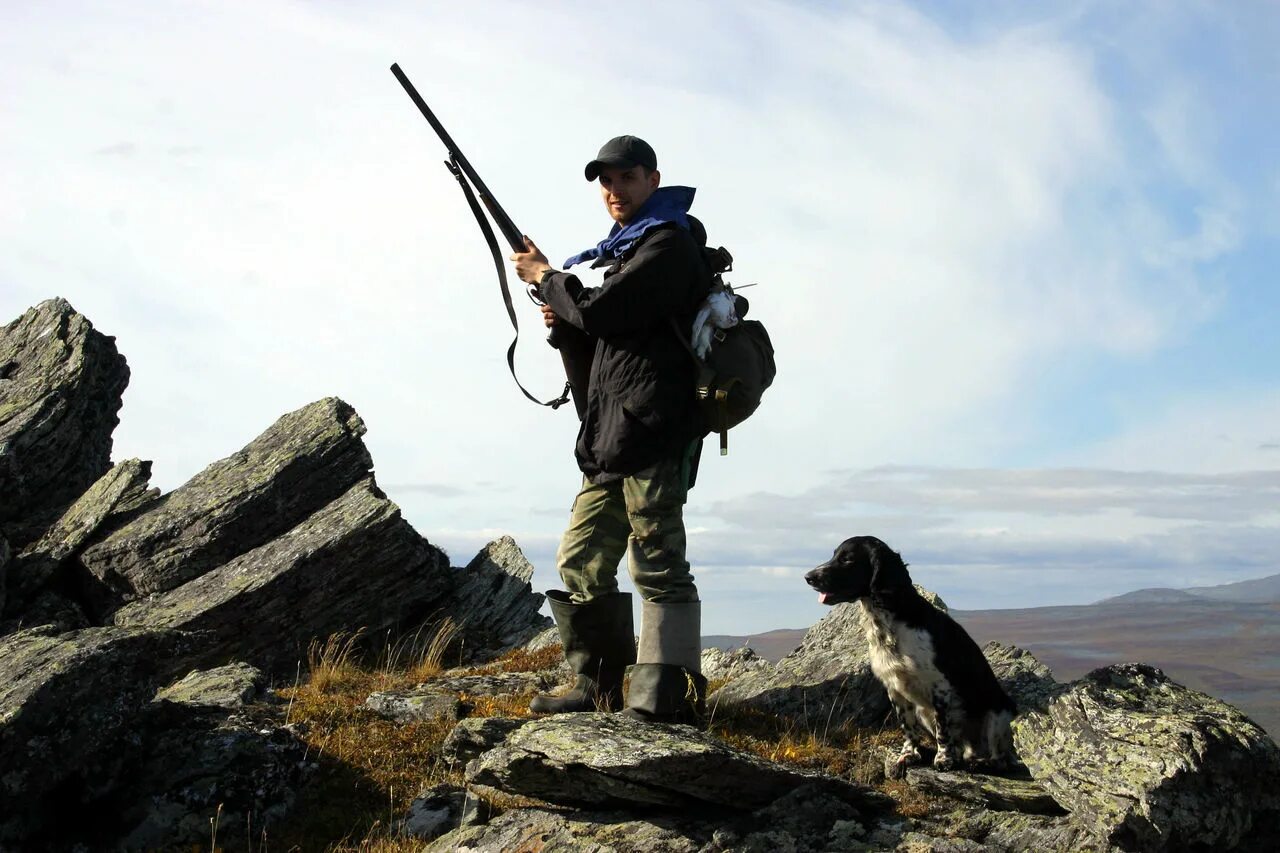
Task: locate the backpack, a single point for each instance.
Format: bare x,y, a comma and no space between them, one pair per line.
737,369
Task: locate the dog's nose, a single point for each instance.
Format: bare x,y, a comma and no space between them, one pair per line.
811,577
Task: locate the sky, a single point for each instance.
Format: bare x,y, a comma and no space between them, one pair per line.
1018,261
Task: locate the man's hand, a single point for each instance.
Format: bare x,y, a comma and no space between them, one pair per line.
531,264
548,316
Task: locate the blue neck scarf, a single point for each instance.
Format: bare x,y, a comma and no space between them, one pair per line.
666,205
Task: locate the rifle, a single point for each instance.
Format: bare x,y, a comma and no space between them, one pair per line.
571,342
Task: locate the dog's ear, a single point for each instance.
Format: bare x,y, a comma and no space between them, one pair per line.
888,572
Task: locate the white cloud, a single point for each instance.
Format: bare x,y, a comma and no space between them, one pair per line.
246,199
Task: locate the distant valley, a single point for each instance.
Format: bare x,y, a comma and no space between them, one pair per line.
1221,640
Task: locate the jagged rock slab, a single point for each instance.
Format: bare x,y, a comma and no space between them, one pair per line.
61,383
475,736
231,686
1027,681
1150,764
826,681
304,461
355,563
66,702
120,490
494,605
1002,793
604,760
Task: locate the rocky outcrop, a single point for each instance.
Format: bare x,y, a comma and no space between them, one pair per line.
494,605
1150,764
67,702
605,760
61,383
305,461
719,665
827,681
355,562
231,686
1027,681
121,490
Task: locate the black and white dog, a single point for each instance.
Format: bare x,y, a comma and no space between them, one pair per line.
937,679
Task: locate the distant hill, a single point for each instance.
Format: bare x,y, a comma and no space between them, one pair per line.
1222,640
1258,590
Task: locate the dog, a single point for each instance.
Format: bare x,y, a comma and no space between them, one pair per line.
938,681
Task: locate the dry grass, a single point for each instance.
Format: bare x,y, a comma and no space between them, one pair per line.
372,768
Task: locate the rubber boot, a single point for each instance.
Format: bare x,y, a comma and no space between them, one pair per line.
666,683
599,645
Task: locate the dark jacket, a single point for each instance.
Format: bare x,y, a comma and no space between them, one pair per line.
640,405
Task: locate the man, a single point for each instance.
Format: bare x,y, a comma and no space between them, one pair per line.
637,445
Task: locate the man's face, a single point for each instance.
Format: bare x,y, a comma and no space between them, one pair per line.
625,190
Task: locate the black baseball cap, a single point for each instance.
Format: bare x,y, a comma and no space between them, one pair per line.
622,152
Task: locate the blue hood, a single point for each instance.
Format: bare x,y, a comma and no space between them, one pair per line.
666,205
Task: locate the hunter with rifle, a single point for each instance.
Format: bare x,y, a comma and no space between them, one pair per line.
639,437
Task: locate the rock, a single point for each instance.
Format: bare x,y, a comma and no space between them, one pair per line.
1150,764
596,760
427,703
194,768
1002,793
719,665
800,819
499,683
1027,681
48,610
600,832
436,810
67,702
475,736
544,639
61,383
827,681
495,607
1008,830
302,463
122,489
448,697
4,565
355,562
231,686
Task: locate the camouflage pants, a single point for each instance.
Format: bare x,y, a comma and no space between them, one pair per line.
642,516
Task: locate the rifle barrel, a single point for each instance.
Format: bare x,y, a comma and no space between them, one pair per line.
515,237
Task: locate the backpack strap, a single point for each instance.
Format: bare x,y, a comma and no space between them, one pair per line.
502,283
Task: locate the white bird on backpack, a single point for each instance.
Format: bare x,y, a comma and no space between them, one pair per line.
717,312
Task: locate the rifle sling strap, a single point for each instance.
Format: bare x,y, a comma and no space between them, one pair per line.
502,282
